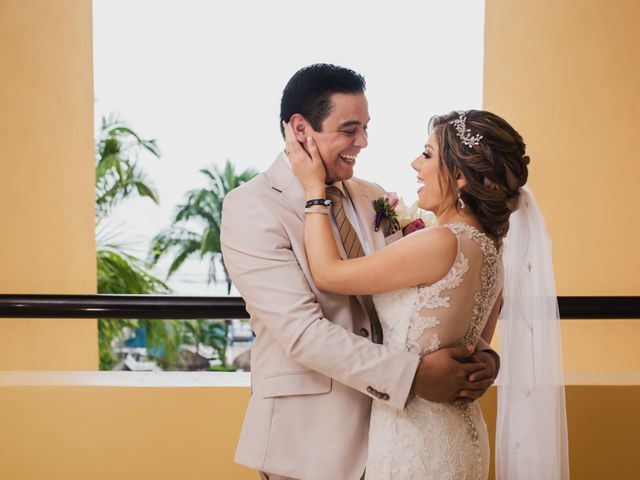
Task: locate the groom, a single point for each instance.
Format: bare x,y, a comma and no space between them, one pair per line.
314,366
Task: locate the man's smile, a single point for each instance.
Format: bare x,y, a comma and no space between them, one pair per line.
350,159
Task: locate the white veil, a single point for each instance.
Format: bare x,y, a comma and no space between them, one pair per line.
531,433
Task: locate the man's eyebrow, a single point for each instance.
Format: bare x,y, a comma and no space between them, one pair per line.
350,123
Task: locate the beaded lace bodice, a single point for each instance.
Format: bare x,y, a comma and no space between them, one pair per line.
432,440
452,311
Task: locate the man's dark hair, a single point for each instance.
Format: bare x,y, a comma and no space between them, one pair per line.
309,92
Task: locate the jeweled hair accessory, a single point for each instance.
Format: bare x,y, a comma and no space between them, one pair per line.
465,133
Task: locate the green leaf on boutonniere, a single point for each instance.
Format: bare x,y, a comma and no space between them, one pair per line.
383,209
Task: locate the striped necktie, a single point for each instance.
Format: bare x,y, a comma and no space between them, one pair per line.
353,248
348,235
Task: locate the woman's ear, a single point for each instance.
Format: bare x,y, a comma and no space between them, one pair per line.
461,181
300,127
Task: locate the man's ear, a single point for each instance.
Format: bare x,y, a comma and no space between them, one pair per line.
300,127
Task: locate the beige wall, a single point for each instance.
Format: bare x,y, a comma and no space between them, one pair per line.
566,74
47,181
71,432
58,428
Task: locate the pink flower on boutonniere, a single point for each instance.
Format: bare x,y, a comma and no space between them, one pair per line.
393,198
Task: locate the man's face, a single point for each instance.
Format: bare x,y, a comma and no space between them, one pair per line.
343,135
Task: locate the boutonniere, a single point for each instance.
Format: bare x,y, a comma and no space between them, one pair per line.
408,219
385,208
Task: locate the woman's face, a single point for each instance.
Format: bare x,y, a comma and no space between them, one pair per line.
427,165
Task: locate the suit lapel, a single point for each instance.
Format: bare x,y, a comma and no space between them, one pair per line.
283,180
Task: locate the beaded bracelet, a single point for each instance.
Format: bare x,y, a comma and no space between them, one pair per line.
325,202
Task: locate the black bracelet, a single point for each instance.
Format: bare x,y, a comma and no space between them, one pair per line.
318,201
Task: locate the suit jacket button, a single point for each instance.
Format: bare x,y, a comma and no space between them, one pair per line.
370,390
363,332
385,396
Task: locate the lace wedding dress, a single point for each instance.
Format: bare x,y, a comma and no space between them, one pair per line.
430,440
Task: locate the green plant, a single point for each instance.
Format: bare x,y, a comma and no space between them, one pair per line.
214,333
117,173
121,273
118,177
195,230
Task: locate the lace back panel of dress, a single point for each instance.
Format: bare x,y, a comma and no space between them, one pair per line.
454,310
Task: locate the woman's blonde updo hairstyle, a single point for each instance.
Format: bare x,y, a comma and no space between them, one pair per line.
495,167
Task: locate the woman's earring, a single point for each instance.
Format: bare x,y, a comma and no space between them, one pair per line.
460,201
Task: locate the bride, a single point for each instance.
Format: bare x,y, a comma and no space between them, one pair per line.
435,288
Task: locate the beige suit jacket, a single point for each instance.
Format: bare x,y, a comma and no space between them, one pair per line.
314,370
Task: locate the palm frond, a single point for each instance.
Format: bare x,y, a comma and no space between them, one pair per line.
117,172
122,273
170,239
183,253
145,191
201,207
